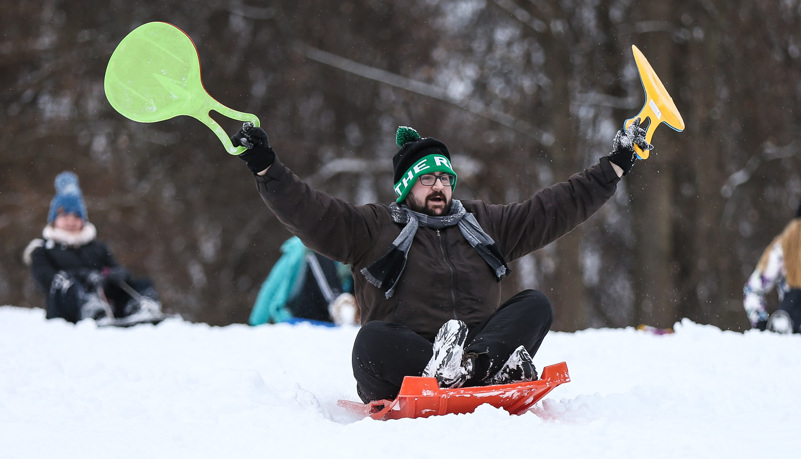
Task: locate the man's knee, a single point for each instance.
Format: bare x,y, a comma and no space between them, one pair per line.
537,304
369,333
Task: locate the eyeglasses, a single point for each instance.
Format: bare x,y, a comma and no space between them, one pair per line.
430,179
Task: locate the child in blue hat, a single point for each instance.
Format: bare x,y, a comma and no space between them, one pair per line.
79,274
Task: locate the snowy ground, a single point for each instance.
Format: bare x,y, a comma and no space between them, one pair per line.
190,390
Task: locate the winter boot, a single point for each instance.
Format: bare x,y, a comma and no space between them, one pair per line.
518,368
780,322
447,363
95,308
141,310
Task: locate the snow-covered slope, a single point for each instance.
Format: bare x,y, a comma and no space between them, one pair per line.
193,391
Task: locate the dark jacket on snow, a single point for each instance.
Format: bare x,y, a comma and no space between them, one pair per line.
445,278
49,256
66,267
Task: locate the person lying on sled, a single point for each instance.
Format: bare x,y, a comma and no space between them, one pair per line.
78,273
427,268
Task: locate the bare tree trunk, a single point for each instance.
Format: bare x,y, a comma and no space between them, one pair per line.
568,294
651,186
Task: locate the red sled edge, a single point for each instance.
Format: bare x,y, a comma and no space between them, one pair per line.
421,397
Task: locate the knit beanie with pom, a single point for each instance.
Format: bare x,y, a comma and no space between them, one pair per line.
68,198
417,156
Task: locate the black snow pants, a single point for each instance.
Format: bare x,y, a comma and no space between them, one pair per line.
384,353
792,304
68,294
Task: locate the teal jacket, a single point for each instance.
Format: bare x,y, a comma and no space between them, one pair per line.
276,289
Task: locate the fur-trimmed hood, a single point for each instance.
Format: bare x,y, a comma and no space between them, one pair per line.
52,236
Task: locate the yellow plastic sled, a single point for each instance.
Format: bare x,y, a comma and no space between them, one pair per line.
658,108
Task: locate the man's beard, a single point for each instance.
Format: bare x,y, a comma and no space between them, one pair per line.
431,207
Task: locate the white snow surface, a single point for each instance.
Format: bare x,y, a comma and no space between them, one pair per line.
188,390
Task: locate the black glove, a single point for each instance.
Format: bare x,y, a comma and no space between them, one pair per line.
115,275
259,155
623,154
90,278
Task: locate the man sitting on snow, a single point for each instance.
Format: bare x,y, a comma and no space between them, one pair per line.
427,268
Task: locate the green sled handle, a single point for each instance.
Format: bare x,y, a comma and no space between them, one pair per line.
154,75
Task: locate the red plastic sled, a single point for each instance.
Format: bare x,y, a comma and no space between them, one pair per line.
421,397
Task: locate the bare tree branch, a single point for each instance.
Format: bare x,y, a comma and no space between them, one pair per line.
424,89
346,166
522,15
769,152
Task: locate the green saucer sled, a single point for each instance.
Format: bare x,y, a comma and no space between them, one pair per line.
154,75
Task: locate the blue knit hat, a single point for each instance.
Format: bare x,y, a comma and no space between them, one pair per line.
68,198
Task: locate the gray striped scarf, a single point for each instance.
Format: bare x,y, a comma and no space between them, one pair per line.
386,271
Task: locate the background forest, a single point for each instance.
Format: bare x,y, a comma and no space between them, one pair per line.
523,92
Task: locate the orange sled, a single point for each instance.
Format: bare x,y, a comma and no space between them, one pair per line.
421,397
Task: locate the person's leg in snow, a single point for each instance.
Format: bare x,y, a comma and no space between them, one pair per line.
519,367
68,299
384,353
787,319
449,364
145,303
524,319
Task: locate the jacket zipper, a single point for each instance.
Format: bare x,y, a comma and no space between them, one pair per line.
453,272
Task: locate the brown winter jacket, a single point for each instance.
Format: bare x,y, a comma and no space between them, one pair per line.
444,278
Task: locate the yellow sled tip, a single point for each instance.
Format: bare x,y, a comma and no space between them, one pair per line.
658,108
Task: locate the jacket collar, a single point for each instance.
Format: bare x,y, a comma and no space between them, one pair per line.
87,234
